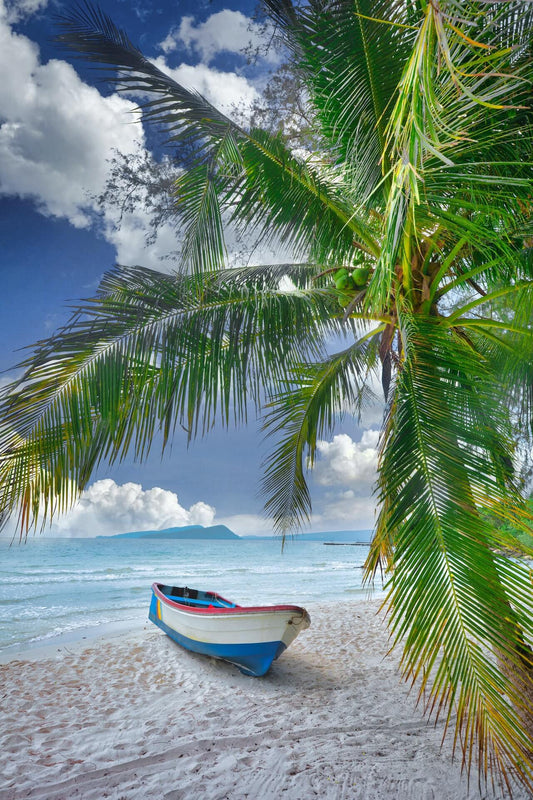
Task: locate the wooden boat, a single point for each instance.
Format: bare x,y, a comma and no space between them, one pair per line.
250,637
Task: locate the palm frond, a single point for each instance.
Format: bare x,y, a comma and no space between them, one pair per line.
250,168
351,58
452,90
454,597
307,409
88,33
150,352
196,196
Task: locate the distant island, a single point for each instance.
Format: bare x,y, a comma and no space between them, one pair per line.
185,532
223,532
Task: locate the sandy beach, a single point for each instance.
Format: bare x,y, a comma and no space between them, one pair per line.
135,716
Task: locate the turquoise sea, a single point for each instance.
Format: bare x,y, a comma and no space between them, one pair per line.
56,588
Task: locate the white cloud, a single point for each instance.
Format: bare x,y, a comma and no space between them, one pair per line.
15,10
127,233
226,90
342,510
348,469
57,135
106,508
248,524
344,462
56,132
226,31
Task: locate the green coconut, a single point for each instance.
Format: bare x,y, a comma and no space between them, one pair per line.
341,277
360,276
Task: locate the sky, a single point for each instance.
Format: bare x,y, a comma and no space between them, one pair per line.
59,129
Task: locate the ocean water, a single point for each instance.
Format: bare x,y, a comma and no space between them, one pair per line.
52,588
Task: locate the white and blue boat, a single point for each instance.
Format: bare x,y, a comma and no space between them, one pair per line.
251,637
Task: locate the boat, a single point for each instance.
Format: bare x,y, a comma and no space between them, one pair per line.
251,637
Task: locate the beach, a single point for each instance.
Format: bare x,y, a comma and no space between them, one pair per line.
133,715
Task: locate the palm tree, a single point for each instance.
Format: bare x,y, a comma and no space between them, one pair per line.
411,227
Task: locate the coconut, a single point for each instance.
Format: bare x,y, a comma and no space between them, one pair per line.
360,275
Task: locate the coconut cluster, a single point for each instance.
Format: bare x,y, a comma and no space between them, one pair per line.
350,282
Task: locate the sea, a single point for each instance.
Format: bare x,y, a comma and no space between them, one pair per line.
57,590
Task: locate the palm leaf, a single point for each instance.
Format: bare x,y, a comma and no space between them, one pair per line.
188,116
351,61
452,593
307,409
433,128
150,352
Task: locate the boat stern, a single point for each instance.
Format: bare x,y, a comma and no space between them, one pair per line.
154,612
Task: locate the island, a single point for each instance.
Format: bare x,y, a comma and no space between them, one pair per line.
185,532
359,537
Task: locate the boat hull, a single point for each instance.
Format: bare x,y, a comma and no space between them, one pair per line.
249,637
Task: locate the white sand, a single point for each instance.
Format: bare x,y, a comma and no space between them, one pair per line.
135,716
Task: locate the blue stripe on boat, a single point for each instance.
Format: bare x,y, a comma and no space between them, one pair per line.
252,659
190,601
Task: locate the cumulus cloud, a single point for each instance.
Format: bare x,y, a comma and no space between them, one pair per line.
226,90
14,10
348,470
226,31
347,463
128,232
58,135
106,508
56,132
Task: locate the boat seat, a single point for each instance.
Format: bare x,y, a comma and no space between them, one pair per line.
194,602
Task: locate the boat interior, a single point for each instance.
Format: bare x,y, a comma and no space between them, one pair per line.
194,597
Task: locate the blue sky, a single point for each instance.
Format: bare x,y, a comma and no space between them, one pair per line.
59,127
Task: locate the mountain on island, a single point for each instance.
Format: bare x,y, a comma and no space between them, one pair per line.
223,532
186,532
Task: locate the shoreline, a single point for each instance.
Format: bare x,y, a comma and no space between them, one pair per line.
131,715
73,640
83,636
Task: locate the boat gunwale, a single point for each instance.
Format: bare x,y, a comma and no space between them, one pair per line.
235,610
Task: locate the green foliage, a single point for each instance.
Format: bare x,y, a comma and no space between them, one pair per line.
524,533
413,224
